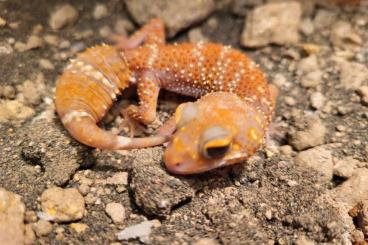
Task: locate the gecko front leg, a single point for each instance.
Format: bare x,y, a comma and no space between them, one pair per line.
148,87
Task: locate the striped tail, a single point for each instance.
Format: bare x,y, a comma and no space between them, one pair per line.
86,91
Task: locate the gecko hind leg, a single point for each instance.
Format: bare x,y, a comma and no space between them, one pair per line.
151,33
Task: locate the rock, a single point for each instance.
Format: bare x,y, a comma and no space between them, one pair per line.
52,39
46,144
311,79
240,7
307,26
352,74
20,47
317,100
46,64
353,190
272,23
116,212
312,135
63,205
8,92
324,19
308,64
42,227
120,178
362,218
105,32
34,42
344,168
11,218
290,101
342,34
205,241
29,235
302,240
279,80
100,11
311,48
5,48
155,191
177,15
363,92
79,227
2,22
319,159
141,231
14,110
123,26
63,16
195,35
31,92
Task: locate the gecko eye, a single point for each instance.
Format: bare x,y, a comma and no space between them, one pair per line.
215,142
185,113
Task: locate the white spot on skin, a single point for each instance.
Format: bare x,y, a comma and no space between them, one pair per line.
75,115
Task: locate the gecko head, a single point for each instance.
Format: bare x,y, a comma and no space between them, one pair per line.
218,130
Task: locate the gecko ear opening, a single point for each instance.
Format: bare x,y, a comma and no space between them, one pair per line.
185,113
215,142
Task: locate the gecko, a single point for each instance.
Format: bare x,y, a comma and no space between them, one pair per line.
226,125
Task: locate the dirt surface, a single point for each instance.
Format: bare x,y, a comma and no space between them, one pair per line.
309,185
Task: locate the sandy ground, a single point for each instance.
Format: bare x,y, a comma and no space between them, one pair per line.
308,186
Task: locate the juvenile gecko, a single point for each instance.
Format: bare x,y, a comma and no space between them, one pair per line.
226,125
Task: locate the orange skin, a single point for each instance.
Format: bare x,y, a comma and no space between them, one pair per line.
225,126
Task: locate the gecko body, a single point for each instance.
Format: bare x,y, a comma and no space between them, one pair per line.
227,124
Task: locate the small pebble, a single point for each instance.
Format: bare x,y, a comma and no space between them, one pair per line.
46,64
42,228
344,168
29,235
311,79
141,231
317,100
79,227
363,92
34,42
63,16
318,158
51,39
105,31
2,22
120,178
195,35
205,241
116,212
312,135
63,205
100,11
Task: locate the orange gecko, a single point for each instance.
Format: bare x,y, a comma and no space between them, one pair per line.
226,125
